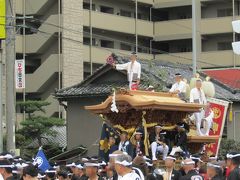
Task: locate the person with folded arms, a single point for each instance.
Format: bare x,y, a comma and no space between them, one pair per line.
214,171
233,163
123,166
189,168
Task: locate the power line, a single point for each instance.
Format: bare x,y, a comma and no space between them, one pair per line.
116,40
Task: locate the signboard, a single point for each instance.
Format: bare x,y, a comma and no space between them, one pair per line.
2,19
20,74
219,107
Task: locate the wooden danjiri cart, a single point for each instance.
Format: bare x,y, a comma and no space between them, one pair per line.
147,109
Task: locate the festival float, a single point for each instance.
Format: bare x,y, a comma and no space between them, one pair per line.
127,110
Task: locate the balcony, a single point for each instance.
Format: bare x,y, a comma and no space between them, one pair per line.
171,3
209,59
174,3
38,7
36,42
217,25
118,23
173,30
99,55
146,1
182,29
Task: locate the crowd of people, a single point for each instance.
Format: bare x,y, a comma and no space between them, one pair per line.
121,166
126,157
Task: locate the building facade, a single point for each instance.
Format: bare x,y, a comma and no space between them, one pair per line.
58,50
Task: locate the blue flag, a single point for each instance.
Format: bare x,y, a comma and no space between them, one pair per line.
103,144
41,161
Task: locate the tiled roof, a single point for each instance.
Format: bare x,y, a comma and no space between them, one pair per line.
229,77
160,74
59,139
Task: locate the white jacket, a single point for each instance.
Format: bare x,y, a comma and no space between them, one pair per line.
180,86
197,96
133,70
130,176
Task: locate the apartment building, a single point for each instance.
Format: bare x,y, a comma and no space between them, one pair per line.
56,42
173,26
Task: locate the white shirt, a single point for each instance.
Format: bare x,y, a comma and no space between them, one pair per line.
139,172
132,69
179,86
130,176
197,96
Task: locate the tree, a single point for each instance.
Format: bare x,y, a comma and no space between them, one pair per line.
228,145
37,127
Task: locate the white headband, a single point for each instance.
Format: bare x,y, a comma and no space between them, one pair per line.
213,158
124,163
23,165
188,163
170,157
149,164
85,159
7,156
50,171
196,158
91,164
79,166
15,172
39,176
103,163
71,165
230,156
213,165
6,166
56,167
113,155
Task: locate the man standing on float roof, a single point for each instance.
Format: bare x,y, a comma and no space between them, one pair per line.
133,69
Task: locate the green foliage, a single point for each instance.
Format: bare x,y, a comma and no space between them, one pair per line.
228,145
33,106
36,127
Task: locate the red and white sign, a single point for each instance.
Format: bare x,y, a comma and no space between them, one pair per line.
20,74
219,107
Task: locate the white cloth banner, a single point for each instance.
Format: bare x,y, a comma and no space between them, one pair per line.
20,74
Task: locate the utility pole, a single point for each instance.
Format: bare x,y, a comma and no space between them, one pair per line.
136,20
24,52
194,37
10,61
1,116
91,40
234,34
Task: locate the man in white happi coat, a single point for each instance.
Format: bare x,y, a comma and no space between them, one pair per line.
179,87
123,166
198,96
133,69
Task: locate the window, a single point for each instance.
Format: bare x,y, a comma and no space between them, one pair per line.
224,12
139,16
107,44
125,13
87,6
224,46
184,16
125,47
185,49
86,41
106,9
